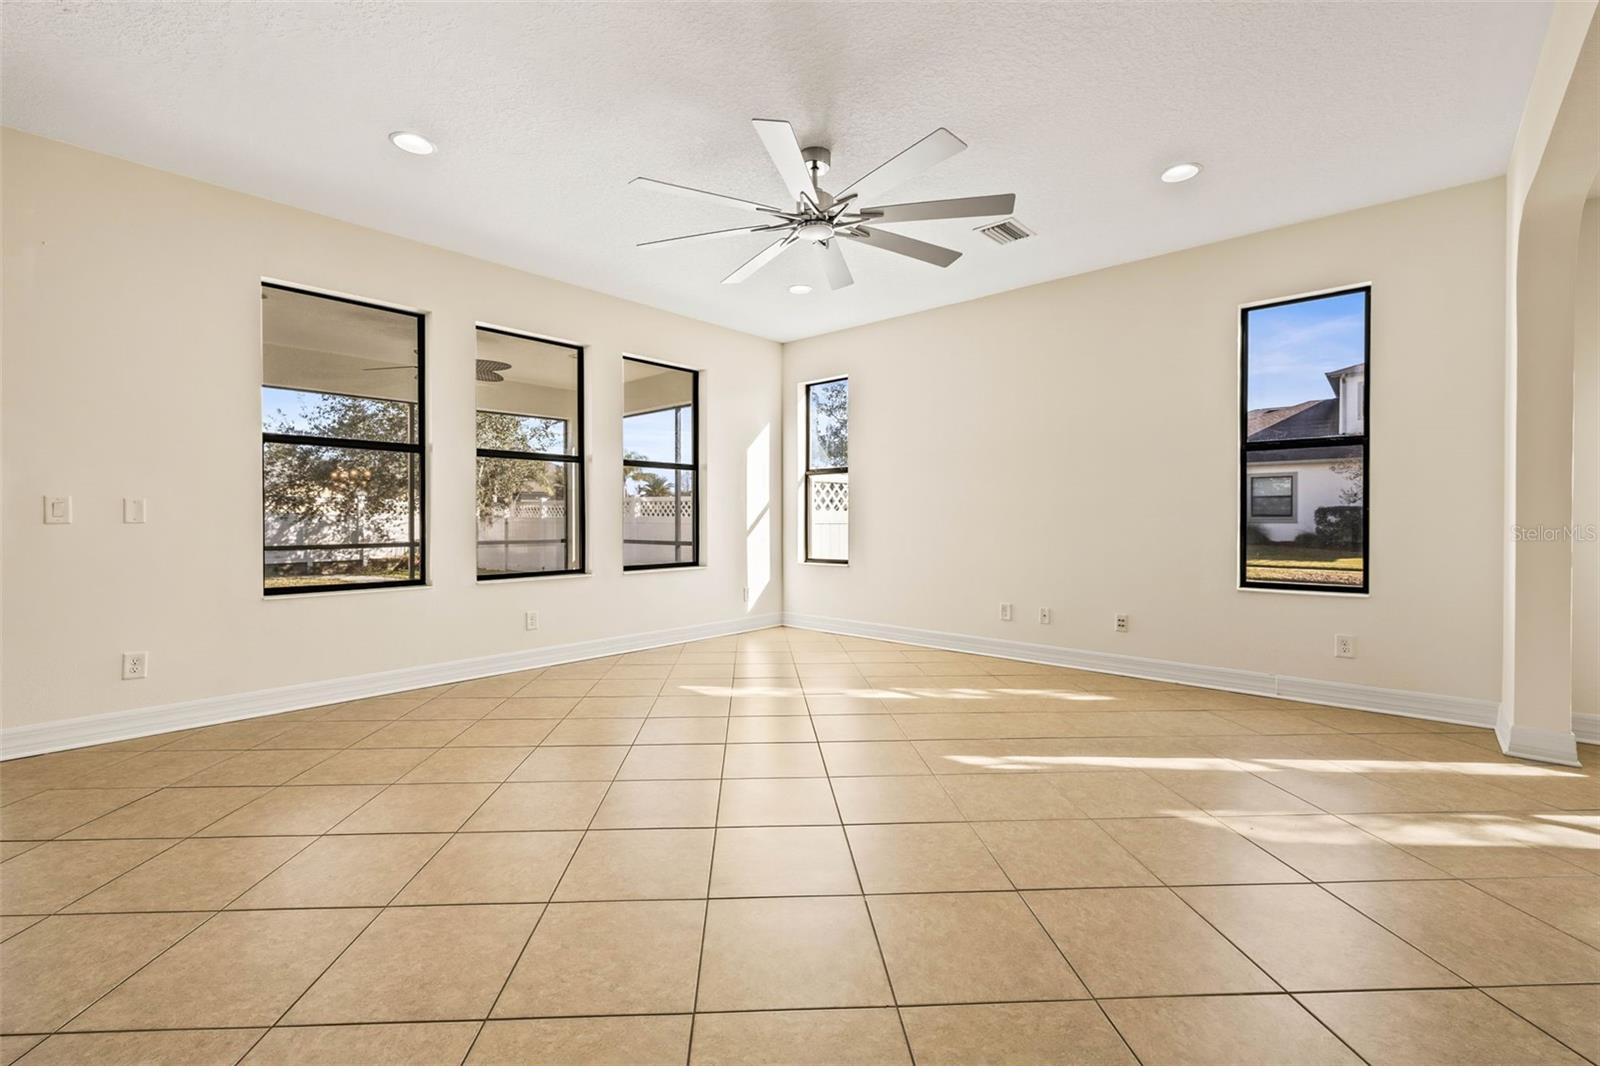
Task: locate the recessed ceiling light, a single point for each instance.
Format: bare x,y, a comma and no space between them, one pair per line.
799,290
415,143
1180,172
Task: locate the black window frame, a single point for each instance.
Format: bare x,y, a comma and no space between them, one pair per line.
1361,440
692,467
418,513
575,459
812,470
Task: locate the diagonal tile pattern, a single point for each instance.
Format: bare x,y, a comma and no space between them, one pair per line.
789,846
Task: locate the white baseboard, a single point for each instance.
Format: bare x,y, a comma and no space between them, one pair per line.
1586,728
1456,710
19,741
1541,745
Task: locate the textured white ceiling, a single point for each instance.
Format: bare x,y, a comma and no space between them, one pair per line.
544,111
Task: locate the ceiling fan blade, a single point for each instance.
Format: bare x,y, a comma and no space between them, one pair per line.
757,261
783,146
701,194
936,147
902,245
834,266
712,235
961,207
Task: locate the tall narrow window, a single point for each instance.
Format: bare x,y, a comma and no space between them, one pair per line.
530,456
827,485
341,443
1303,457
660,446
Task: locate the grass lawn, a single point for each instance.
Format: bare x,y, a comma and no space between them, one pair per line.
1286,562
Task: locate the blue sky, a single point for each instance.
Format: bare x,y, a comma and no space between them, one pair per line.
1293,346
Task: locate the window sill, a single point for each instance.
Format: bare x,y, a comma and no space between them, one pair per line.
483,582
826,565
289,597
1305,592
664,570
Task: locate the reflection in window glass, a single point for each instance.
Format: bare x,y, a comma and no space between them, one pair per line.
660,505
341,451
530,472
1304,450
827,481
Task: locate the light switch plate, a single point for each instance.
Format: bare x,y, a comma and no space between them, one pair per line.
58,510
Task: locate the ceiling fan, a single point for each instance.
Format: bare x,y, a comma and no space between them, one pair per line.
823,219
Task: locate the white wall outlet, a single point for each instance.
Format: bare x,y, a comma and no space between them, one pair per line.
58,510
1005,612
1121,623
530,620
135,510
745,595
1044,616
135,665
1344,646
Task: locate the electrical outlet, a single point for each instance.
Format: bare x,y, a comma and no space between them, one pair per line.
530,620
1344,646
58,510
1122,623
135,511
135,665
1044,616
1005,612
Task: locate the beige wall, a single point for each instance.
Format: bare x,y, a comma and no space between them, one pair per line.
1586,469
132,367
1075,445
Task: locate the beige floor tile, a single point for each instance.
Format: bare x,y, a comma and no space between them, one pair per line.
783,861
1066,853
893,799
617,705
534,707
46,878
49,814
931,857
430,734
194,875
241,968
155,769
180,1047
639,864
417,809
1482,939
53,970
373,709
775,729
519,806
1309,941
401,1044
1571,904
768,706
344,871
656,1040
257,768
779,801
1210,1030
682,704
672,762
457,708
420,964
493,868
1566,1012
319,735
1116,794
608,958
1325,848
1469,845
1014,1034
645,688
1196,851
684,731
968,947
13,1048
12,924
460,765
294,810
489,687
863,1037
772,760
1434,1028
997,798
570,764
1224,793
504,733
856,727
658,805
1143,942
171,812
594,731
363,766
791,953
884,758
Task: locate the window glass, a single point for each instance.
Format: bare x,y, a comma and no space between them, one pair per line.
660,506
827,481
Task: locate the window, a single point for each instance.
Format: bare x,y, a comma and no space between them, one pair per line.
1303,456
660,488
530,456
341,443
827,488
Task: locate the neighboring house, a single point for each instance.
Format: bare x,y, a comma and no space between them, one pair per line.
1286,487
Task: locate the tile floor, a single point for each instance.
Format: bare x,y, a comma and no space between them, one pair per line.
790,847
